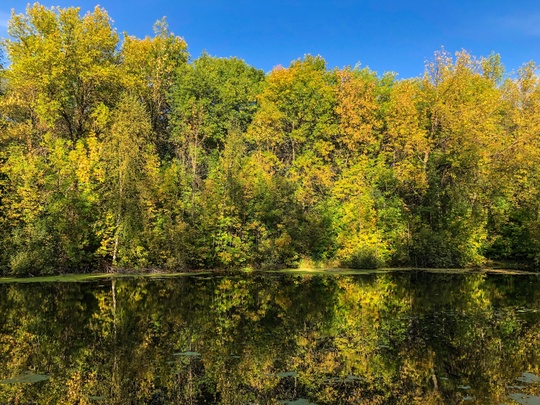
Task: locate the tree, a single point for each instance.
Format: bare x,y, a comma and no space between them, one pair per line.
463,130
210,98
63,67
357,108
148,68
129,161
62,74
296,111
515,225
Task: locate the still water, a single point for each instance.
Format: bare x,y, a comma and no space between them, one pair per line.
273,338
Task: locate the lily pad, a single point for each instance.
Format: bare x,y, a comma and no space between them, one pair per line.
525,399
299,401
26,378
528,378
287,374
187,354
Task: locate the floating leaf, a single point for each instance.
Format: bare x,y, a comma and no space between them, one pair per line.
525,399
299,401
287,374
187,354
528,378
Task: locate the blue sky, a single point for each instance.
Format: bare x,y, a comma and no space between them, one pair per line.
394,36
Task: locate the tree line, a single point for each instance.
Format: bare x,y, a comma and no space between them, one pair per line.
126,153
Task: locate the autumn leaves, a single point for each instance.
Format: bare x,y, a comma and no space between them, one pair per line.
124,153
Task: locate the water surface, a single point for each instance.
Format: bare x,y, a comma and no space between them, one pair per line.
382,338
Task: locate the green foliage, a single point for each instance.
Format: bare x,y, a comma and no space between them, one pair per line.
62,67
148,70
131,155
128,162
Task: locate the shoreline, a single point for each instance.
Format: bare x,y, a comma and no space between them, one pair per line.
83,277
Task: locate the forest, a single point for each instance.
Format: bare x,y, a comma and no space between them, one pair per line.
125,153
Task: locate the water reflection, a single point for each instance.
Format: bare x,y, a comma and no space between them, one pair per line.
395,338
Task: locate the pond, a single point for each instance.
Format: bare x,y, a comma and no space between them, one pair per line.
401,337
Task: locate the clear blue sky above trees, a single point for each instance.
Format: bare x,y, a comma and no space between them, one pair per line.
384,35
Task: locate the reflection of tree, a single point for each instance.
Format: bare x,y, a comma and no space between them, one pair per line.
389,338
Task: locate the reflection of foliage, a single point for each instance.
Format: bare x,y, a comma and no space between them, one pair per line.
390,338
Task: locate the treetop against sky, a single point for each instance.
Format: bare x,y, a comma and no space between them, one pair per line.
384,35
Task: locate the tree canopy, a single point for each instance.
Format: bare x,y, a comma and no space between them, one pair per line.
126,152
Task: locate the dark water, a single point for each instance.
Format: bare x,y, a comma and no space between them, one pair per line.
393,338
